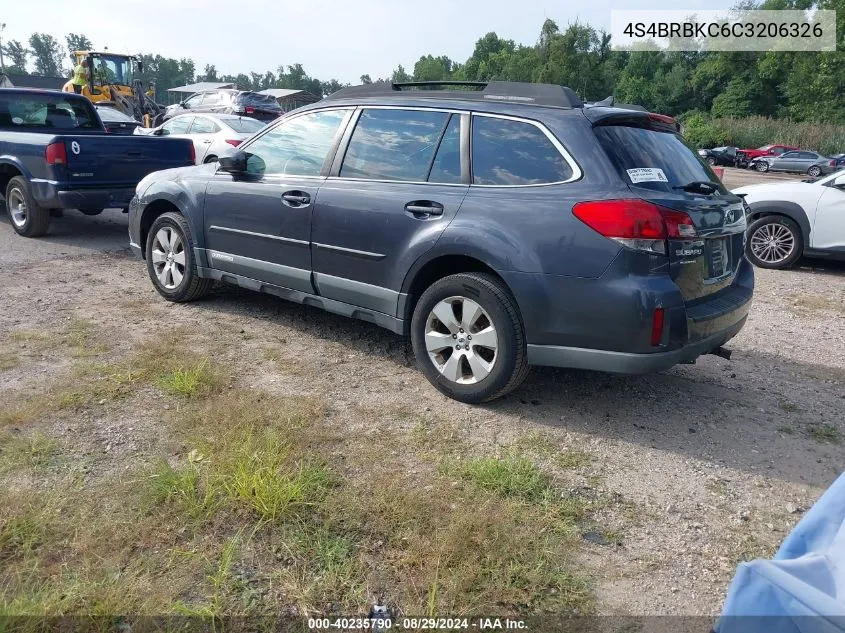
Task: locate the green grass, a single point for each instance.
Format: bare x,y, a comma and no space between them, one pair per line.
825,433
32,451
787,406
8,360
193,381
509,476
21,534
542,445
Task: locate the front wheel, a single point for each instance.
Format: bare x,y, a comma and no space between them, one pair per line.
170,260
711,161
469,339
27,216
774,241
210,159
762,166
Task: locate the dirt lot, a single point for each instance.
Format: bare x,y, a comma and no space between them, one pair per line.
246,455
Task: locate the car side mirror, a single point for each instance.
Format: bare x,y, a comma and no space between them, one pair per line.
233,162
839,181
182,104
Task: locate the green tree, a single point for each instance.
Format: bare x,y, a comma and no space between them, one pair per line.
400,76
16,54
429,68
365,79
77,42
48,53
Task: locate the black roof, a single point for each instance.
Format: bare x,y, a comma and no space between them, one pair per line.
501,91
36,81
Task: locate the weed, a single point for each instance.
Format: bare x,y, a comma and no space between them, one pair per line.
8,360
190,382
21,534
508,476
825,433
35,450
786,429
787,406
544,446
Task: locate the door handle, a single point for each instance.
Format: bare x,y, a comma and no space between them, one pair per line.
296,198
206,141
422,209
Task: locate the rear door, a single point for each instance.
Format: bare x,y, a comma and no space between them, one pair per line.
391,194
202,133
657,165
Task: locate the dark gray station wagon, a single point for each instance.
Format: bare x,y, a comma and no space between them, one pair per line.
499,225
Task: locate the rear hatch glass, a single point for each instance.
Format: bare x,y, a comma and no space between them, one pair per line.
265,102
660,167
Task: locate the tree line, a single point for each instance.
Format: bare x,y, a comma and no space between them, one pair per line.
807,87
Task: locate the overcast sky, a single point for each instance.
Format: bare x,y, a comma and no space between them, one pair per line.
330,38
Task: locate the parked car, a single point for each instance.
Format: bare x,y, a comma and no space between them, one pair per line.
801,161
240,102
115,121
461,219
211,134
55,154
766,150
719,156
791,219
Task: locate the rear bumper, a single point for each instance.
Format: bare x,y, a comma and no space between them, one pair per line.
50,196
624,362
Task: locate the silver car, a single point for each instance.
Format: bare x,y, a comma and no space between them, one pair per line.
210,133
800,161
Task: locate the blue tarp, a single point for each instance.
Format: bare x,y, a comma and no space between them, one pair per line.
803,589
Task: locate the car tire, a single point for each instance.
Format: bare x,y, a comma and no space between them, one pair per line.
815,171
209,159
761,166
171,264
711,161
27,217
774,242
482,372
90,211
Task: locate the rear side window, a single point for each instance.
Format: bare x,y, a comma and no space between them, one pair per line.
46,111
393,145
507,152
651,159
447,163
245,126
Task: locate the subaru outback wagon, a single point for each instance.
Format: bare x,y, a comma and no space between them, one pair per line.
498,226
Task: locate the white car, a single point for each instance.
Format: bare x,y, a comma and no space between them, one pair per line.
789,219
210,133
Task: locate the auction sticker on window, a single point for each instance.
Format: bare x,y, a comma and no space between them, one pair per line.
646,174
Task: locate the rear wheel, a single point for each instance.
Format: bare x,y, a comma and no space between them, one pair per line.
170,260
762,166
468,338
28,218
774,241
815,171
210,159
90,211
711,161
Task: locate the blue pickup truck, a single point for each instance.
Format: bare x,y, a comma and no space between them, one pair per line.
55,154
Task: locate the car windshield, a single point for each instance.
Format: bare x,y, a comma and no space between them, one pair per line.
48,111
652,159
245,125
112,69
114,116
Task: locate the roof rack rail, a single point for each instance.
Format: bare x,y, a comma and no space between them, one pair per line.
503,91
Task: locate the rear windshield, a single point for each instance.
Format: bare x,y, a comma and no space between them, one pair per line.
245,125
50,111
651,159
114,116
267,102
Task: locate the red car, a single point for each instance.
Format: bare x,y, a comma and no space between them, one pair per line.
766,150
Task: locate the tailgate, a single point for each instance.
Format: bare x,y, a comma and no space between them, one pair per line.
658,167
114,160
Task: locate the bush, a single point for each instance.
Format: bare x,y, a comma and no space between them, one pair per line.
703,131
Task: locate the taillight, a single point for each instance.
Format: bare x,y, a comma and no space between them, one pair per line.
193,151
657,326
56,153
249,110
233,142
635,223
832,163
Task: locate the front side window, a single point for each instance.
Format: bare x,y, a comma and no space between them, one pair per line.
176,126
789,155
393,144
507,152
298,146
204,126
193,102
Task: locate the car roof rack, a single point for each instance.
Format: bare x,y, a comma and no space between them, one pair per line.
501,91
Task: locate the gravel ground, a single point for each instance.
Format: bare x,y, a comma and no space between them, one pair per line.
715,461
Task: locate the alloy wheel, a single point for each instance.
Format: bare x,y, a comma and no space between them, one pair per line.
461,340
17,207
168,255
772,243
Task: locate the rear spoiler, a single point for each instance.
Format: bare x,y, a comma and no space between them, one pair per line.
603,115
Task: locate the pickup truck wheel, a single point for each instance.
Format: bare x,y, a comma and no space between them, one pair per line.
170,260
90,211
468,338
27,216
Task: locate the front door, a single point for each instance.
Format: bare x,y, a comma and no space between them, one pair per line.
202,134
258,224
398,186
829,226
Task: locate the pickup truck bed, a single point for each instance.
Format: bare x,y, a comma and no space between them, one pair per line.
59,156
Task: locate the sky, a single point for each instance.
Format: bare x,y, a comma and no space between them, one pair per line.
332,39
